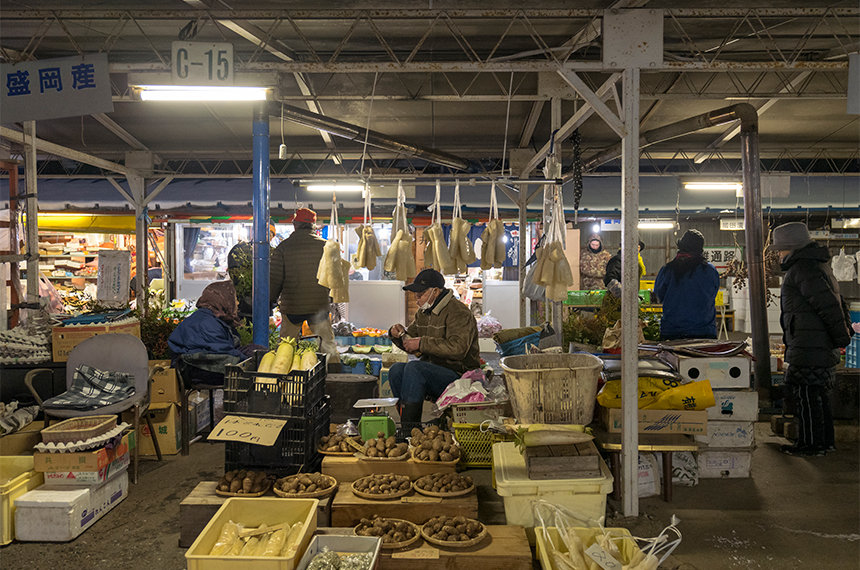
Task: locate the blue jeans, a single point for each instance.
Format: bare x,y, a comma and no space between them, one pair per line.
413,381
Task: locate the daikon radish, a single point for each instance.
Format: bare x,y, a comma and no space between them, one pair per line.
266,362
283,357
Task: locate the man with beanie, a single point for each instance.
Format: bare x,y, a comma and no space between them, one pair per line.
444,335
815,325
687,286
592,264
293,282
613,268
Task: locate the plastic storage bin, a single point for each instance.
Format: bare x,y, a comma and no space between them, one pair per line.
342,545
294,450
293,394
585,497
626,544
253,512
476,446
17,476
365,365
587,298
552,388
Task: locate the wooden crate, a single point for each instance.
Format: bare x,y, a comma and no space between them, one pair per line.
347,510
563,461
348,469
507,547
200,505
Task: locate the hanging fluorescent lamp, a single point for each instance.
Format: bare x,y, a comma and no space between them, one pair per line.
656,225
702,185
201,93
335,187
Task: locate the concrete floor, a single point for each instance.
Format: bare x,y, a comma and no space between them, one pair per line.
795,513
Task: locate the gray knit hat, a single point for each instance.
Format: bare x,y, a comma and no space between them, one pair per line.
790,236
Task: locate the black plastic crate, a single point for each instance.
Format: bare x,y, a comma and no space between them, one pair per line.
294,450
247,391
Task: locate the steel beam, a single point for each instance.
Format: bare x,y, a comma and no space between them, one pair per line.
31,209
65,152
123,134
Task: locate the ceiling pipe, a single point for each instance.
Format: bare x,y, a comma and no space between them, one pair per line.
356,133
754,236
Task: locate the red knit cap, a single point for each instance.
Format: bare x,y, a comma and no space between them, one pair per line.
305,215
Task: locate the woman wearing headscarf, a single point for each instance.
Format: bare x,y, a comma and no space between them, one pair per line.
212,327
592,264
687,286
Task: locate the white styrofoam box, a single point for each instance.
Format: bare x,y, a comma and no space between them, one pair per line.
722,372
724,463
59,514
736,405
728,434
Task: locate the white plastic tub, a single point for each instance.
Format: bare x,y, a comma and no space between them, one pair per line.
585,497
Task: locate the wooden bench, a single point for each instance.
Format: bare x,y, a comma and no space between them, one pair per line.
664,444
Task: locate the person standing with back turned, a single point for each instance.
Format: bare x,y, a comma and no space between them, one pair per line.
293,283
687,286
815,325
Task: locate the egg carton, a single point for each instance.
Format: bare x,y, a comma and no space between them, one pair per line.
74,446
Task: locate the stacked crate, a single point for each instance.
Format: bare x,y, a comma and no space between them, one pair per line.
298,398
726,450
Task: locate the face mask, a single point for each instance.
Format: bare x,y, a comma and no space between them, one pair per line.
426,306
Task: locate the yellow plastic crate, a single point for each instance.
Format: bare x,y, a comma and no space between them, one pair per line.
476,447
253,512
626,544
17,476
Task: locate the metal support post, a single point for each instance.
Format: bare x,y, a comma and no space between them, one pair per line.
260,203
522,250
31,210
137,188
630,294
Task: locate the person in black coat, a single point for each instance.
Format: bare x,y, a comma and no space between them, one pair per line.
815,325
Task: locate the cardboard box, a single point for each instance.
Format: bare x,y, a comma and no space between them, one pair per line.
165,422
735,405
80,461
64,339
659,421
724,464
728,434
21,442
59,514
165,384
88,478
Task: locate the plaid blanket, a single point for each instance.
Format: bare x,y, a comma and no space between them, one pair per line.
92,389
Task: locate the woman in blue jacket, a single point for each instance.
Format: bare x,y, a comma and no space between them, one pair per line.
687,286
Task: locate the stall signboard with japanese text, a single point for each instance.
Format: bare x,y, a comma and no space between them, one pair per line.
720,257
202,63
54,88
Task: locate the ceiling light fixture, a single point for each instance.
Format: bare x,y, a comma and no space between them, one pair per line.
713,186
201,93
345,187
656,225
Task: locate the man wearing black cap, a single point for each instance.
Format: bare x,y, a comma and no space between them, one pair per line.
815,325
445,336
687,286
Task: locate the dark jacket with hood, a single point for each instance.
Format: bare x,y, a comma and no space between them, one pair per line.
814,318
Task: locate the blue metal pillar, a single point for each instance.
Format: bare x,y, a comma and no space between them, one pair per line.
260,291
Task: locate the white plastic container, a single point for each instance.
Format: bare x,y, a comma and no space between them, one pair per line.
735,405
59,514
722,372
586,497
728,434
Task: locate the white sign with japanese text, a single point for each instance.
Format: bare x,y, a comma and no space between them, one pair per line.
54,88
202,63
720,257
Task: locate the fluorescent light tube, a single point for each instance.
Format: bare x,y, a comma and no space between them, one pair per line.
656,225
201,93
335,187
716,186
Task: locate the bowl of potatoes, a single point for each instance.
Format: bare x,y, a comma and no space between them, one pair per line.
453,532
444,485
395,533
382,486
305,486
383,448
343,445
243,483
433,445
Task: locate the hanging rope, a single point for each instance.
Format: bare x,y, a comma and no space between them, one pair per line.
368,211
494,204
437,207
456,211
367,129
507,121
334,226
577,173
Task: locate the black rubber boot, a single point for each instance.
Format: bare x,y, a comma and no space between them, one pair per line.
410,417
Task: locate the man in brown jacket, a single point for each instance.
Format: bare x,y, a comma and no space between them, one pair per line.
293,282
444,335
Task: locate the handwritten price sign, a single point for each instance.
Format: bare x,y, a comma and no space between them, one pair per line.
259,431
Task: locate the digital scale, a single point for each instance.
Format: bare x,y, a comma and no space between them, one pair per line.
374,418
